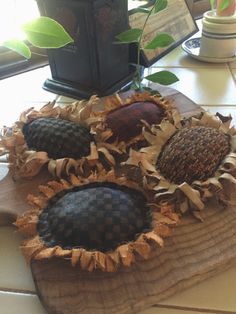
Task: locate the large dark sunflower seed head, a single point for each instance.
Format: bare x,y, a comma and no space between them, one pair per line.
193,154
95,217
125,122
59,138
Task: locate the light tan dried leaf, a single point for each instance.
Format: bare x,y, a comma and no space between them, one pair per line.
65,184
52,167
59,252
75,181
192,194
142,248
162,230
23,116
100,260
111,266
33,164
93,152
197,215
86,259
210,120
56,186
38,201
154,237
115,257
107,155
27,223
76,254
112,102
126,255
47,191
32,247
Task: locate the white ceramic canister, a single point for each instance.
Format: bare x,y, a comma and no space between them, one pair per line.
218,35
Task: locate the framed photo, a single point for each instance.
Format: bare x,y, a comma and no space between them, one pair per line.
176,20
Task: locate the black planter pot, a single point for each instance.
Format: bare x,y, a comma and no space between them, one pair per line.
95,63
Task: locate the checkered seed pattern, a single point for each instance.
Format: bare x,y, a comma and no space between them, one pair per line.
94,217
125,122
193,154
59,138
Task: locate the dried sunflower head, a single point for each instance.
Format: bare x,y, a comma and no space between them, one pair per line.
191,162
193,153
125,118
101,222
58,137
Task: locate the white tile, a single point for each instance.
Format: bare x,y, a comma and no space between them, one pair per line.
14,272
12,303
217,293
209,86
232,65
21,92
233,71
179,58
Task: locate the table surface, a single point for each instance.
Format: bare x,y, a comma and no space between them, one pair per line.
212,86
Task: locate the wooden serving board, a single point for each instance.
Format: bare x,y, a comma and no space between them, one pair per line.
194,252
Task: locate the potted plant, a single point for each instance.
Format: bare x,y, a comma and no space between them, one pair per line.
93,63
88,59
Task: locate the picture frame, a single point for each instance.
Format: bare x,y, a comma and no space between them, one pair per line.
175,20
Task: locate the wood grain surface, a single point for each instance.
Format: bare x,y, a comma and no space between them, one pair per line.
194,252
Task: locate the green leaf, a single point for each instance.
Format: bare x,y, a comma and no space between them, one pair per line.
45,32
161,40
130,36
18,46
142,10
160,5
162,77
224,4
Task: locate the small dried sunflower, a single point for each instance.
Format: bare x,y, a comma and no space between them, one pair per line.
101,222
56,136
190,162
125,117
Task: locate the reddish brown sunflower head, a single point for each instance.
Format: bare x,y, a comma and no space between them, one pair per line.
193,154
127,118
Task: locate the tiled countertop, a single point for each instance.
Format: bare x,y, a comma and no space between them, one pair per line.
212,86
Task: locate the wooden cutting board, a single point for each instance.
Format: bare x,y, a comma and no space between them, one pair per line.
194,252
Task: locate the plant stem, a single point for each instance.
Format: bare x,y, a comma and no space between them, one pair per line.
138,69
38,54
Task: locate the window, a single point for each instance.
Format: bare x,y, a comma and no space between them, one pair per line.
14,13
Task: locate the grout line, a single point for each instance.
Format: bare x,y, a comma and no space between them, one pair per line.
190,67
219,105
231,71
197,310
18,291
